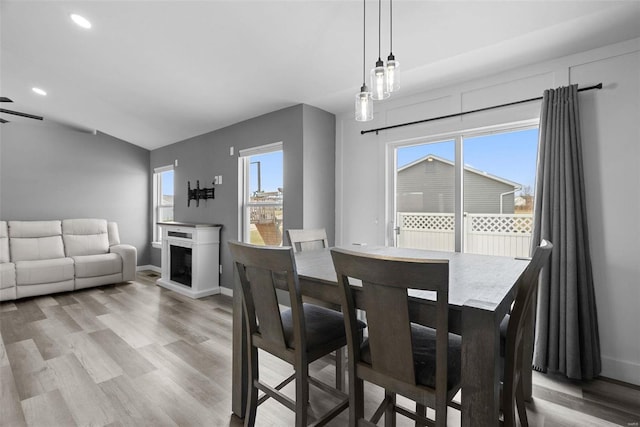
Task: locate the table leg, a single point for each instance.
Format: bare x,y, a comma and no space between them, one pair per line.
240,357
480,365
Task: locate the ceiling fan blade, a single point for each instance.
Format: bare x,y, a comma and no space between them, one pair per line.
17,113
5,99
3,120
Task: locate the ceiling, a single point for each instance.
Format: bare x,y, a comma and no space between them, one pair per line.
157,72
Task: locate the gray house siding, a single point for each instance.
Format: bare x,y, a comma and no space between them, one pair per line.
483,194
427,186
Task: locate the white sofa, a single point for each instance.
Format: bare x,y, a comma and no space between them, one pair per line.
43,257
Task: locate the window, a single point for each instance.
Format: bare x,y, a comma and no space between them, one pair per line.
468,192
162,199
262,194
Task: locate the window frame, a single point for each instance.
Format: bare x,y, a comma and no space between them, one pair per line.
244,205
458,137
156,240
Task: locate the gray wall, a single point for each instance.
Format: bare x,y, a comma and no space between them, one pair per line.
300,129
49,171
319,159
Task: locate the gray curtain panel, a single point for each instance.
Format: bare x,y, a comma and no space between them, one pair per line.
566,337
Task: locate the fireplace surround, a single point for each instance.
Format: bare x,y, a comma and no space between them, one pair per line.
190,258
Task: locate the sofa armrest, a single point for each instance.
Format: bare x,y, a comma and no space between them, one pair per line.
129,255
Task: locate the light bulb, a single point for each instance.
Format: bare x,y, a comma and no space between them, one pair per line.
393,74
379,81
364,105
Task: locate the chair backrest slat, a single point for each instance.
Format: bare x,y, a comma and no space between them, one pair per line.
389,328
308,239
266,304
385,282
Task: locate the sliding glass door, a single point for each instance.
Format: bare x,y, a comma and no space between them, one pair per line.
472,192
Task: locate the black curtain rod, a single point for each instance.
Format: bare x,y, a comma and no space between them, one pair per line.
362,132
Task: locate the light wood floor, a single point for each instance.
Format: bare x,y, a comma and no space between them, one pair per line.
137,354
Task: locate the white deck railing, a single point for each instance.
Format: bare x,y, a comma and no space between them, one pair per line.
488,234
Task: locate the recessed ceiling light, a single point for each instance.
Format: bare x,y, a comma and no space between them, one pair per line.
81,21
39,91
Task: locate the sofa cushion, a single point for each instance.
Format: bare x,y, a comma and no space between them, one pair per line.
89,282
27,229
36,248
4,242
44,271
7,275
97,265
85,236
84,226
8,294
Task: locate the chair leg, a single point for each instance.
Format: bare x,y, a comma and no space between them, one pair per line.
356,399
390,412
520,398
340,368
252,398
422,411
508,410
441,411
302,395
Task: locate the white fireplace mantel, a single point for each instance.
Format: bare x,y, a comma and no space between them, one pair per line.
196,248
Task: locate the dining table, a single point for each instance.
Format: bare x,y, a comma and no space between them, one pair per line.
481,291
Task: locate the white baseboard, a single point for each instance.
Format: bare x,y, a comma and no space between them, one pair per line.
187,290
621,370
149,267
226,291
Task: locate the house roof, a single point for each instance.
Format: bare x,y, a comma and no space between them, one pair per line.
466,168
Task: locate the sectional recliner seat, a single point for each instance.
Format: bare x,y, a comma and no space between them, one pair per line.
44,257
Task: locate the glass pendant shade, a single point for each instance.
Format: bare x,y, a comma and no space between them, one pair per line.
393,74
379,81
364,105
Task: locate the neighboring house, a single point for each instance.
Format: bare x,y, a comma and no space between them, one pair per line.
426,185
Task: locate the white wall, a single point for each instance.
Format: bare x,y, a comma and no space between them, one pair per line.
611,142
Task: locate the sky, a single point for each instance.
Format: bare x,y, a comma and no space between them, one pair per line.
271,166
511,155
167,183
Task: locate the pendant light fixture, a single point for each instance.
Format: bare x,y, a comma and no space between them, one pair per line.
364,104
379,72
393,66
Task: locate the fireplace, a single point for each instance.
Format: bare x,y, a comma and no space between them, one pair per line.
180,264
190,258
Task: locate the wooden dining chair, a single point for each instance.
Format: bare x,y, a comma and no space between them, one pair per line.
310,239
418,362
516,329
306,239
298,335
